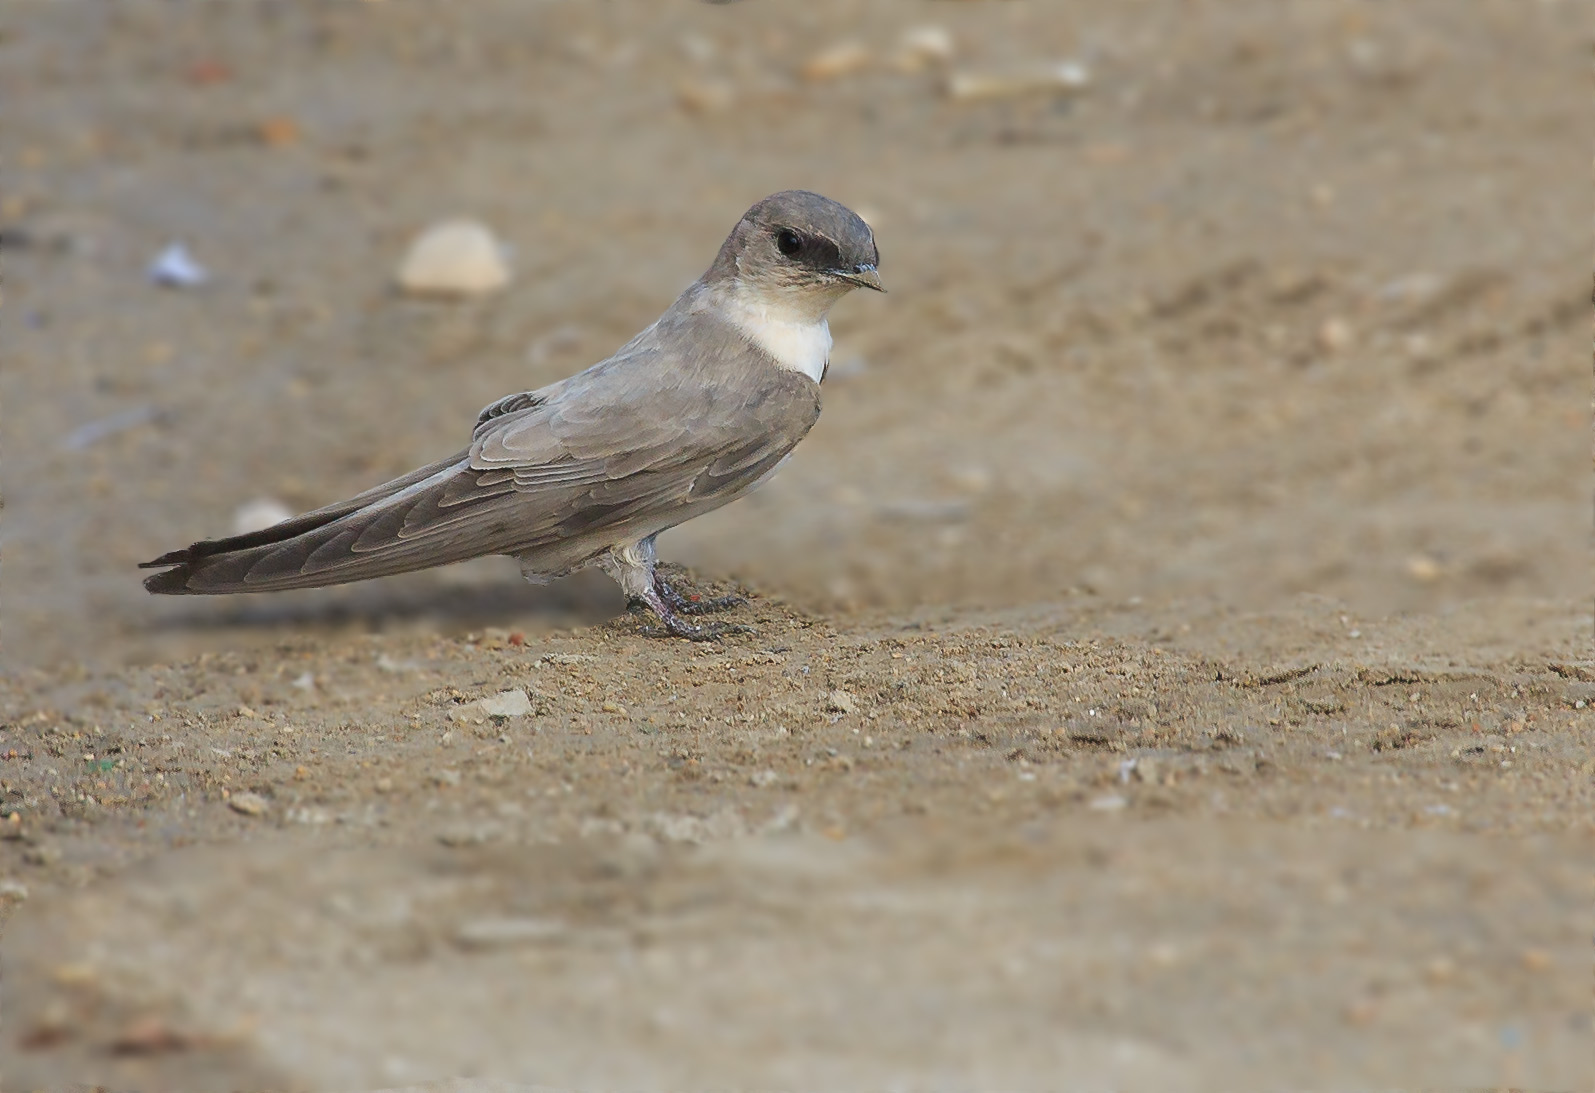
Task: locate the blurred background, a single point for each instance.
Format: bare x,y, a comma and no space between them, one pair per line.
1199,530
1191,303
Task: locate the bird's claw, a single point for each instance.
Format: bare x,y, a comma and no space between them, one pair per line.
668,606
690,605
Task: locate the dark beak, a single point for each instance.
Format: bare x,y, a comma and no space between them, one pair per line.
864,276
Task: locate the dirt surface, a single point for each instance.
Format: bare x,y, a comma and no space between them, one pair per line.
1172,656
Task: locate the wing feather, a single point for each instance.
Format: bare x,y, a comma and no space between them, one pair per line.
552,476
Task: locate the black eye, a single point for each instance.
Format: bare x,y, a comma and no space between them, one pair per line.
788,242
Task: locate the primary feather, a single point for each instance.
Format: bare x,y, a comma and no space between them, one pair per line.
682,420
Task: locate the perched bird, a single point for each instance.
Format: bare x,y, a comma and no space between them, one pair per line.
687,416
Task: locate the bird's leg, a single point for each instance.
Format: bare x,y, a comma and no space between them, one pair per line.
692,604
674,625
633,569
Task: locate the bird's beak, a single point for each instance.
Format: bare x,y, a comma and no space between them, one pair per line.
863,276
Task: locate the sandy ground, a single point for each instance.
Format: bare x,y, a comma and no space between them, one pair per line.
1172,654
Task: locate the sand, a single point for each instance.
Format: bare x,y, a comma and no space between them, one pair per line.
1171,661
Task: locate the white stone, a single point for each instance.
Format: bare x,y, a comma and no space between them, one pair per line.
841,59
504,704
249,804
259,514
174,267
454,258
706,96
1063,78
922,46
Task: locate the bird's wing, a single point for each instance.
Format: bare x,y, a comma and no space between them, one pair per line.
609,450
607,462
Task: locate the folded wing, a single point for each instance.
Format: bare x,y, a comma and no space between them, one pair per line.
553,477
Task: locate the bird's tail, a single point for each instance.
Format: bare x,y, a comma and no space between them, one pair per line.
350,541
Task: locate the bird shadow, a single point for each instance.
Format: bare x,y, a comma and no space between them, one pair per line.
584,599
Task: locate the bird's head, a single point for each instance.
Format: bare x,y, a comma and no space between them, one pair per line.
799,251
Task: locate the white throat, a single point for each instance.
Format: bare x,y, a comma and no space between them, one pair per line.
794,339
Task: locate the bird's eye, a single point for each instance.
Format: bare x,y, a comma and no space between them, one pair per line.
788,242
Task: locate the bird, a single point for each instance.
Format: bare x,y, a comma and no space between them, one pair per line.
692,413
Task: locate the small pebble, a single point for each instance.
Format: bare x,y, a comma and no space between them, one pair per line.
1064,78
923,46
697,48
13,890
278,132
1109,803
492,933
148,1035
259,514
1418,345
174,267
1421,567
706,96
468,834
841,59
1335,335
208,71
763,778
785,818
504,704
454,258
79,973
1536,960
1164,954
972,479
1361,1012
248,804
839,702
